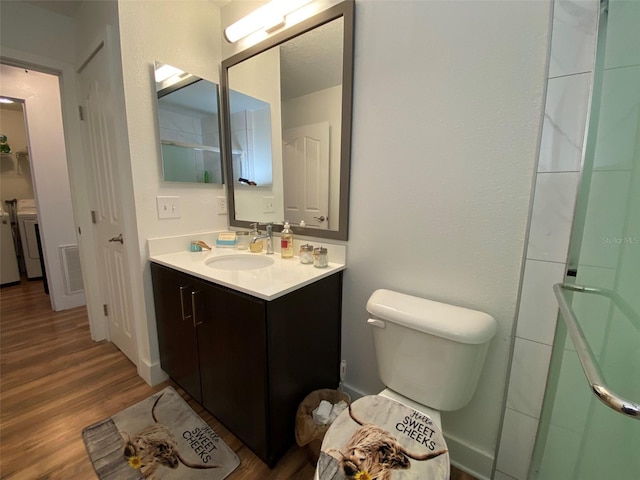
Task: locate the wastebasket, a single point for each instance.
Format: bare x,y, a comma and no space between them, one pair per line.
308,434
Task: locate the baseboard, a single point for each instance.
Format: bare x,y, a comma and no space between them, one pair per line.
353,393
151,373
469,459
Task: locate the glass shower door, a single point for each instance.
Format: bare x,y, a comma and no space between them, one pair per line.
580,437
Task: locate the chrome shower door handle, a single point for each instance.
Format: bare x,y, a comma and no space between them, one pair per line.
117,239
586,357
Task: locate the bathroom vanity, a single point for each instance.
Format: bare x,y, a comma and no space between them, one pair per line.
249,359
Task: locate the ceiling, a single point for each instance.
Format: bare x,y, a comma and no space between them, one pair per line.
67,8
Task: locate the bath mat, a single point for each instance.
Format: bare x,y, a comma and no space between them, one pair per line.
156,439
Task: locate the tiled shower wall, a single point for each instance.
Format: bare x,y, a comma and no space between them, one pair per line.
573,43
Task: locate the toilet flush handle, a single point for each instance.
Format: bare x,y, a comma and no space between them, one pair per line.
376,323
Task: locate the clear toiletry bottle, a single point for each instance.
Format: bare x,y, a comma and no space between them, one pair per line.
320,257
255,247
286,242
306,254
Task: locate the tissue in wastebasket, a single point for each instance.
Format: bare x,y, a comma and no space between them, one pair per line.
327,412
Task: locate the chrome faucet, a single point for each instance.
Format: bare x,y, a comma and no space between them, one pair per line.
268,236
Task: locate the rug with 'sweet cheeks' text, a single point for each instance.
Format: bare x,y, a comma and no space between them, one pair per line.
159,438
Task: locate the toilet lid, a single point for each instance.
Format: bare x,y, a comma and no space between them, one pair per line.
381,435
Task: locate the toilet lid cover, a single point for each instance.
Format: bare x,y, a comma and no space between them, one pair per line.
381,439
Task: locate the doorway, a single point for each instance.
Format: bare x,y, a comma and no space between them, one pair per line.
45,158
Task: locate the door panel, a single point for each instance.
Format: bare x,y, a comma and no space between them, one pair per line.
177,340
98,134
305,153
233,369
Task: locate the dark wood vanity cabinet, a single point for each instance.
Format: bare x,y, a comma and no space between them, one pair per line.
248,361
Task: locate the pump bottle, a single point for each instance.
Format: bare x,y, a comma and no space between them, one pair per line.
286,242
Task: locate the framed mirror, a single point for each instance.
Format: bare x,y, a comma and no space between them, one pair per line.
286,106
189,126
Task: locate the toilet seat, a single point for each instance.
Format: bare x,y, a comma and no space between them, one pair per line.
430,412
385,421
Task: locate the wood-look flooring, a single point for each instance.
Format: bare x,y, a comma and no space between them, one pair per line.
55,380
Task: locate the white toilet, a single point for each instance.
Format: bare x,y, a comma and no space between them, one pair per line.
429,356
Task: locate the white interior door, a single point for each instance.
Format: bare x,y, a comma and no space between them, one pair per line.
305,158
99,142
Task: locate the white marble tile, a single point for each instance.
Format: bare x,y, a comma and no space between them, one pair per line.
623,32
603,234
573,38
179,122
560,456
565,117
573,397
538,310
552,216
528,377
180,136
592,310
516,444
618,139
239,121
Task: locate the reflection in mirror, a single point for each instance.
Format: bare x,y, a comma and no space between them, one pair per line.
304,75
188,119
250,140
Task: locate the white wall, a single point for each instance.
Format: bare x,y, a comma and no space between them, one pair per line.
184,34
446,121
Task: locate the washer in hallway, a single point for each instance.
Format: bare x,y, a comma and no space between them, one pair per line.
28,222
9,272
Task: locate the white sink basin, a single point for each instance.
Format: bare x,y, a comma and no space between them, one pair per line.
239,262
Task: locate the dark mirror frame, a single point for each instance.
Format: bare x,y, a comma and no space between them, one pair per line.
346,11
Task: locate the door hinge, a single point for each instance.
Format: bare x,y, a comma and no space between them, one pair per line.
93,216
81,112
106,310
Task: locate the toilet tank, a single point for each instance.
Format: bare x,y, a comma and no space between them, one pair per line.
430,352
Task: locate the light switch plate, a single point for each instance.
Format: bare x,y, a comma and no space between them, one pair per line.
168,207
268,205
221,205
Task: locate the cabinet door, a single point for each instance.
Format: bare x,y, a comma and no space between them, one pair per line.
177,336
233,368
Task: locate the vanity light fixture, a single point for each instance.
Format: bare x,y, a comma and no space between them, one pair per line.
166,71
268,18
6,100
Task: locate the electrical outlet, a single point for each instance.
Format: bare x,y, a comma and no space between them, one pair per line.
221,203
268,205
168,207
343,370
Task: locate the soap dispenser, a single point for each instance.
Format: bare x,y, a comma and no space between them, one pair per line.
255,247
286,242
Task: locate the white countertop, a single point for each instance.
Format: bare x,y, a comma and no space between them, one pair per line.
269,283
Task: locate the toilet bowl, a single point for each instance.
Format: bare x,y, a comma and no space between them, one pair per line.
429,356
